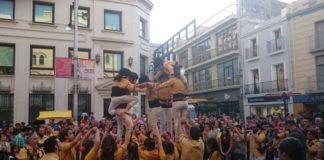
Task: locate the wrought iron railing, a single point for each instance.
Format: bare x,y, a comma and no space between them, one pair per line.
252,52
276,44
214,84
267,86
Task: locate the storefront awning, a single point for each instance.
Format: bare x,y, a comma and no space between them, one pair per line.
43,115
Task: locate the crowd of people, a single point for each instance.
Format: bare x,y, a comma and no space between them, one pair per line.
167,132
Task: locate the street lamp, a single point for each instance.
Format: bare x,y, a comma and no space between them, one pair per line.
130,61
284,98
98,58
75,61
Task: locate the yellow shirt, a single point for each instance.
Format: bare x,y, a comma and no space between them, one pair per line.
42,140
139,141
23,155
255,143
191,149
215,156
92,155
176,84
120,152
51,156
149,155
175,154
312,147
67,152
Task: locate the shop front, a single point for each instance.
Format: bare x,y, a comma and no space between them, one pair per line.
268,105
310,104
219,102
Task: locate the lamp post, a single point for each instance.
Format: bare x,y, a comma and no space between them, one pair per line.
284,98
75,61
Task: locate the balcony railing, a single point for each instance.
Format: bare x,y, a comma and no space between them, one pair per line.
276,45
251,52
317,42
200,58
214,84
228,46
267,87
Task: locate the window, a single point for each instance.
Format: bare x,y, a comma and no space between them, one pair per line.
7,9
7,59
106,106
143,63
142,28
319,34
82,53
227,40
34,59
280,77
254,47
200,51
42,60
228,73
113,61
113,21
39,102
277,43
84,103
6,107
183,58
83,16
202,79
277,34
255,80
320,72
43,12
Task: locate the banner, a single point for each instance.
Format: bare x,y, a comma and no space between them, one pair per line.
86,68
63,67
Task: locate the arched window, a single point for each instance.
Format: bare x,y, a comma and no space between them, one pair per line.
41,60
34,59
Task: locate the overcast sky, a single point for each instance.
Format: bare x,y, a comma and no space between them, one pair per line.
169,16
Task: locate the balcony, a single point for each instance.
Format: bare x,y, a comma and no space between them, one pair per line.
276,45
316,42
201,58
252,52
229,45
267,87
215,84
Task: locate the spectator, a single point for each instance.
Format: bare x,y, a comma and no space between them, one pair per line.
255,138
167,149
110,149
226,143
213,149
296,133
51,149
31,151
291,149
20,139
192,146
318,122
239,149
14,153
149,152
68,144
313,144
132,151
4,146
41,136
